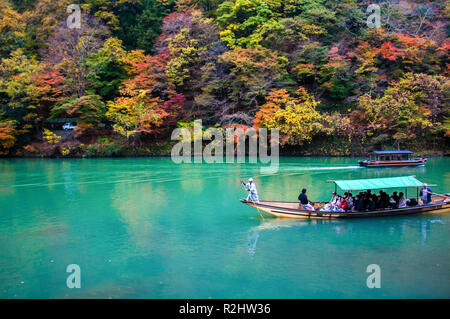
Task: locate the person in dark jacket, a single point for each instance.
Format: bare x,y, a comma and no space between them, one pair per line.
359,204
396,198
371,205
304,200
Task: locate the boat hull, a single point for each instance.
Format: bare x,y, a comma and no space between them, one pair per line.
419,162
294,210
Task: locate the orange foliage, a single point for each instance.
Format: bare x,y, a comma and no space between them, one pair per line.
149,72
275,100
413,49
7,136
50,86
390,52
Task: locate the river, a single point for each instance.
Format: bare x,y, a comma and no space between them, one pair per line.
150,228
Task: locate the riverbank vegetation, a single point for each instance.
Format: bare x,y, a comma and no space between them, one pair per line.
137,69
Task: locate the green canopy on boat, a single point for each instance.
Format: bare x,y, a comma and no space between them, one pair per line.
378,183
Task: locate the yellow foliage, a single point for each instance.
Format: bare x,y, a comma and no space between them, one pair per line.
50,137
295,117
65,151
134,116
11,21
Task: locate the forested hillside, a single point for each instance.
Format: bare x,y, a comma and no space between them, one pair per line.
137,69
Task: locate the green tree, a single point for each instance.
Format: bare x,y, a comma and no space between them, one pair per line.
89,109
243,22
135,116
12,29
17,90
107,69
140,22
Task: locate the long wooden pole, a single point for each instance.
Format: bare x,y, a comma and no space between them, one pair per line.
254,202
439,194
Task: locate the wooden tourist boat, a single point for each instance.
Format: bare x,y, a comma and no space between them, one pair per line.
392,159
440,203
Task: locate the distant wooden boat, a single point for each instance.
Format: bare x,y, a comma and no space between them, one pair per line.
440,203
392,159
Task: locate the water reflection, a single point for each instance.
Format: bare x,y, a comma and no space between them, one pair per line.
342,229
382,231
425,228
270,224
252,240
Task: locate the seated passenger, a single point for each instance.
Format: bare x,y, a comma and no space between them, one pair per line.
330,204
367,194
339,203
412,202
359,205
334,206
392,202
396,198
350,201
375,200
343,206
304,200
371,206
384,200
365,199
402,202
381,201
378,203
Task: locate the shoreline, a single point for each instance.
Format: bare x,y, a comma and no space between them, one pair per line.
168,156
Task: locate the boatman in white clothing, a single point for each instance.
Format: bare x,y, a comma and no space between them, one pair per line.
253,193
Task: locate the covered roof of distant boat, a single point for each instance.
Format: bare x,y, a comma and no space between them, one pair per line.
378,183
391,152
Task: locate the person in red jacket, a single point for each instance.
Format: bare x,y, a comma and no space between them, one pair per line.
343,206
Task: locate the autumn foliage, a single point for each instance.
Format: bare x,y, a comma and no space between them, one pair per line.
137,69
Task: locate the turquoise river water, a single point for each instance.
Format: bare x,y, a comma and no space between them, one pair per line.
150,228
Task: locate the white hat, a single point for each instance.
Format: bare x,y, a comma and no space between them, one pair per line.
250,179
